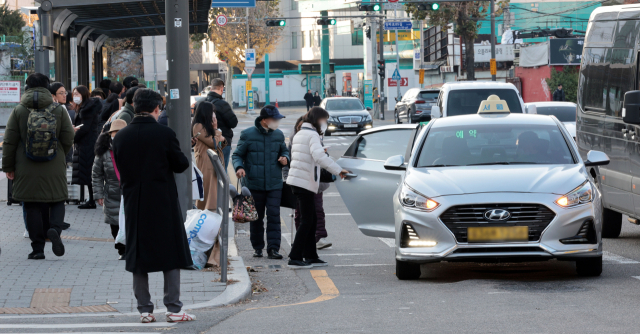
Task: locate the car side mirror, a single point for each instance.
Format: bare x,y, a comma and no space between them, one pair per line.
395,162
532,109
596,158
435,112
368,108
631,108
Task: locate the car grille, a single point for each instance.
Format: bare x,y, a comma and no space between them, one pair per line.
350,119
497,250
535,216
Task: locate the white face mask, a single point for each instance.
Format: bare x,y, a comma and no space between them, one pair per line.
323,127
77,99
273,125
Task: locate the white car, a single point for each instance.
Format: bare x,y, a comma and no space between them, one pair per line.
492,186
463,98
565,112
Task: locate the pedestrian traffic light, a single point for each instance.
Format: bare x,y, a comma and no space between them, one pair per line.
381,68
276,23
369,8
429,6
326,22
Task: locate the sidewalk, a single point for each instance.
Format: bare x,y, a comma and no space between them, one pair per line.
89,278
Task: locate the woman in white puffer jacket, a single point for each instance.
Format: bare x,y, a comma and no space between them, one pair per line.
308,158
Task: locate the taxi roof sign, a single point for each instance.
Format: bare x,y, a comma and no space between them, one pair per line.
493,105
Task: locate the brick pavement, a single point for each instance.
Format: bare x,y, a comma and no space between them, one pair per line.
90,268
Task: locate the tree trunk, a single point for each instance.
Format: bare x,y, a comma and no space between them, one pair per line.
469,59
229,85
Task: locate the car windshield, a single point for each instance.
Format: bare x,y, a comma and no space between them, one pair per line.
343,104
467,101
564,114
428,95
490,144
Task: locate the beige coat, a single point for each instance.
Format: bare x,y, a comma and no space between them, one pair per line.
209,177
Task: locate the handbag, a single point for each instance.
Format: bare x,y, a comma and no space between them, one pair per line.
288,199
326,177
244,208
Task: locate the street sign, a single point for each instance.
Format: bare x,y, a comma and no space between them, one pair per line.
278,82
177,22
223,68
421,76
249,70
250,100
221,20
248,85
10,91
394,83
233,3
493,67
396,75
250,58
398,25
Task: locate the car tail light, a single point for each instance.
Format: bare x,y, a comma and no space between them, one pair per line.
418,111
420,102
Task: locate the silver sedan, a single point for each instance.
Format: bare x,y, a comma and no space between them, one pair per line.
506,187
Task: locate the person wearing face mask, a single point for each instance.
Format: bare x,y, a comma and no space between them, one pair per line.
258,160
308,159
106,180
86,127
205,128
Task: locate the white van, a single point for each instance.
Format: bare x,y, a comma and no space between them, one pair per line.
464,98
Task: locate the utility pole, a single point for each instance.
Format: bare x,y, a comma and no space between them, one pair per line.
374,62
324,55
493,41
395,16
246,91
383,99
177,26
422,48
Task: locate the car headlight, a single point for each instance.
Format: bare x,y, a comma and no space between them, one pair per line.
412,199
581,195
368,118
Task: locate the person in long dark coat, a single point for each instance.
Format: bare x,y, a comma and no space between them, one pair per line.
317,99
86,127
147,155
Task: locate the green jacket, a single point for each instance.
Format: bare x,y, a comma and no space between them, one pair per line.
127,113
257,153
36,181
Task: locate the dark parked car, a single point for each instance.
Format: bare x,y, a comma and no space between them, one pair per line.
347,114
415,102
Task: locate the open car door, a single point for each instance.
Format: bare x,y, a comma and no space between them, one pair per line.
368,191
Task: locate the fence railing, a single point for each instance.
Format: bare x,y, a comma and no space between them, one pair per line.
223,211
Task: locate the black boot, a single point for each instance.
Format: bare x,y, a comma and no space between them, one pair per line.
257,253
88,205
274,255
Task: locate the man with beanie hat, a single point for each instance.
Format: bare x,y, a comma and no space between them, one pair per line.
258,160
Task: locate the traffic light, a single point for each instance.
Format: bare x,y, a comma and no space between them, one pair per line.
369,8
381,68
429,6
326,22
276,23
367,31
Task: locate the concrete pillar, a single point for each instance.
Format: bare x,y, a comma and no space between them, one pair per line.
178,108
324,54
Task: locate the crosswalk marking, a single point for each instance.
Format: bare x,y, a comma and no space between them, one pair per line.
90,325
389,241
607,256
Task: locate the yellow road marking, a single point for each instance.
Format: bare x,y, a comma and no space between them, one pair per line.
327,288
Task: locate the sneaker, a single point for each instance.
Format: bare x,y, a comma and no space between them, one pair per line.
26,234
323,243
297,264
180,317
146,318
88,205
56,242
274,255
316,262
36,256
257,253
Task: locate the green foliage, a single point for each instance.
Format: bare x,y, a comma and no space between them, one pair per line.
11,21
568,78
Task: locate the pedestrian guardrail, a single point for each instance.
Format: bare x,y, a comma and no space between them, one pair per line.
223,210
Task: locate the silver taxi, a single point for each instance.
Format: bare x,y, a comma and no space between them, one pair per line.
493,186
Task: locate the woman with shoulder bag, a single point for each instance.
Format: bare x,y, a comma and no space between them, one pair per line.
86,128
307,160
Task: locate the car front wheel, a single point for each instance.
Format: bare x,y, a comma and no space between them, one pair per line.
407,270
611,223
589,267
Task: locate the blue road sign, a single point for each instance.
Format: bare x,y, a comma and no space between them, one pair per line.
396,75
233,3
398,25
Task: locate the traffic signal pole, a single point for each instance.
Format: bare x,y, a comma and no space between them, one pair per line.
324,55
493,40
374,63
395,17
383,99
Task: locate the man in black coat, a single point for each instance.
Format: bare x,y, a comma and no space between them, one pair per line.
558,94
309,99
227,119
148,154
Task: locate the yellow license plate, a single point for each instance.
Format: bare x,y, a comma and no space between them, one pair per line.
497,234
